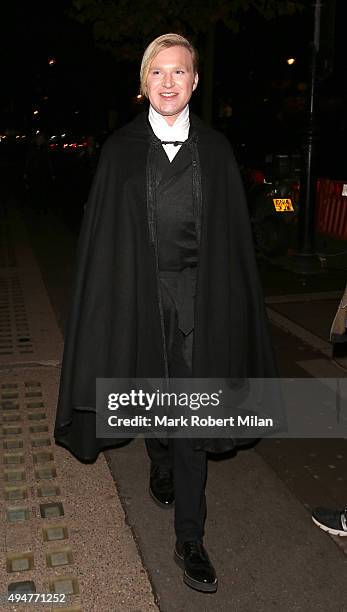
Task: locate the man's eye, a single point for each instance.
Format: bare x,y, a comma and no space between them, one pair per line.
155,72
180,71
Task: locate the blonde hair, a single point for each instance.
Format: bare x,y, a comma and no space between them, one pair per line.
158,44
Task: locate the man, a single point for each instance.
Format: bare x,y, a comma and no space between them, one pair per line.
334,520
166,284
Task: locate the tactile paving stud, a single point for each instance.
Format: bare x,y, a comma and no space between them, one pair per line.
24,587
11,417
51,509
58,557
39,442
11,430
12,444
54,533
35,405
67,609
17,514
9,406
38,428
36,416
9,395
6,351
33,394
13,458
43,457
66,585
16,493
45,473
48,490
20,562
14,475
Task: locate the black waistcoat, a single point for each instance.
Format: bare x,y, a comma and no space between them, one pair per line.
176,233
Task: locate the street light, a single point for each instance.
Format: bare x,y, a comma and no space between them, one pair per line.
291,61
52,61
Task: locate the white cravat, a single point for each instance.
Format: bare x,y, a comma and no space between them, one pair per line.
178,131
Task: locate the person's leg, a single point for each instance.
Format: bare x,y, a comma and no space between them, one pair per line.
189,472
159,453
189,465
161,477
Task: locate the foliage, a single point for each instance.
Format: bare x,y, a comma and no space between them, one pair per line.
126,26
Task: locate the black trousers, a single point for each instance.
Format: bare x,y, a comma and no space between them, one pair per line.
189,466
189,472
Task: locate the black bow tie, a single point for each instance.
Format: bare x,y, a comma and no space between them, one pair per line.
175,143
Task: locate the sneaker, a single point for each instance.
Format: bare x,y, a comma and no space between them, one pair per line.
332,521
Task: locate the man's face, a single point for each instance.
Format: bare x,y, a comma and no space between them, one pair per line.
171,82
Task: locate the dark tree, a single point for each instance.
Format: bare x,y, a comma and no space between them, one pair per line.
125,26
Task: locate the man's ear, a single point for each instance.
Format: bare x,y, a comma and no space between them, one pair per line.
196,80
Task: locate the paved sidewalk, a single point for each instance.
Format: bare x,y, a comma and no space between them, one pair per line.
315,315
267,552
259,532
62,526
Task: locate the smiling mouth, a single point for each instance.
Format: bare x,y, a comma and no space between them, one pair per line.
168,95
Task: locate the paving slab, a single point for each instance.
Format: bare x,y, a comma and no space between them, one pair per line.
28,330
70,524
267,552
315,317
253,556
62,526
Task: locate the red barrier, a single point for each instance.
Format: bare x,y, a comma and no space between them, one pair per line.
331,208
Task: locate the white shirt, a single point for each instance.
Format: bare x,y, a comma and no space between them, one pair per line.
178,131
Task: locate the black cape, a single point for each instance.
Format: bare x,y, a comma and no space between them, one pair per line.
114,329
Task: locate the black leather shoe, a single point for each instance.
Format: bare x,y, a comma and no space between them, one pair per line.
199,572
161,487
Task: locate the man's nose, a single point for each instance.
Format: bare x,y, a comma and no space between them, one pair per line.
168,79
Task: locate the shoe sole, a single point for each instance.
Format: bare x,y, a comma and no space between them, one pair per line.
335,532
194,584
159,503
